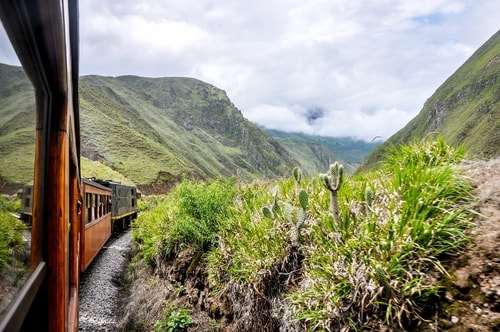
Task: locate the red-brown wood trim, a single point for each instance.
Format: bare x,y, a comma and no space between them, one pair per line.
44,34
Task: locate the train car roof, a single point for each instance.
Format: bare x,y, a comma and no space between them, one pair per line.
93,182
110,182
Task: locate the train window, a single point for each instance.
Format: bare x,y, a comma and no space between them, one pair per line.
93,214
108,204
102,203
88,206
17,150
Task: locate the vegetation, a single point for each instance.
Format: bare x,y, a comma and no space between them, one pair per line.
176,319
95,169
189,216
11,236
280,257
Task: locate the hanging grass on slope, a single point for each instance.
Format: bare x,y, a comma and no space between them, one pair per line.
189,216
383,261
285,260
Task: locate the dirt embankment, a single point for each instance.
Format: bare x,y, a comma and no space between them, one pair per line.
472,301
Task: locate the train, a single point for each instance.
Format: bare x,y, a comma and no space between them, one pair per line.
108,208
121,201
71,217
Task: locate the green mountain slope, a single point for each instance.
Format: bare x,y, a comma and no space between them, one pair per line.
17,126
152,131
157,129
465,109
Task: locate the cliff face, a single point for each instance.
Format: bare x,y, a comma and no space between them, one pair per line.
196,122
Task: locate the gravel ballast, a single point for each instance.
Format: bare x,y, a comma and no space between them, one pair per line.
99,294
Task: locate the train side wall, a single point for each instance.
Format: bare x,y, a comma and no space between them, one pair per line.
96,220
96,235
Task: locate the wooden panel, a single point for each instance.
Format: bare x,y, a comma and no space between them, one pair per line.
74,254
96,235
58,235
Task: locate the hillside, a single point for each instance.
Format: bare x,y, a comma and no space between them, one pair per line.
316,153
155,130
152,131
17,128
465,109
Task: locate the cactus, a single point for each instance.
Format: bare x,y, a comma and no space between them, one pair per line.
294,215
382,280
333,181
297,216
275,206
368,200
369,196
267,212
270,212
303,199
297,174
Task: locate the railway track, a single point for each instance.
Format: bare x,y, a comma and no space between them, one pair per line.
99,293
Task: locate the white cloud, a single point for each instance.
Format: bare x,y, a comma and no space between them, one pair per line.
278,117
368,65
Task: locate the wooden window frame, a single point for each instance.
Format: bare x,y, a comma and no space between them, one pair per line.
44,34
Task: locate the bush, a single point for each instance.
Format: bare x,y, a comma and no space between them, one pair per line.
284,257
176,319
11,237
384,258
10,205
189,216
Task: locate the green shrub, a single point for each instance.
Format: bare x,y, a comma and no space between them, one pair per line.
384,260
148,203
250,240
10,205
11,237
177,319
189,216
376,257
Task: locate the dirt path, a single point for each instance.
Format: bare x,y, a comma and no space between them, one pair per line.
474,298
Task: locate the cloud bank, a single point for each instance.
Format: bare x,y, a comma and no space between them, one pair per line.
328,67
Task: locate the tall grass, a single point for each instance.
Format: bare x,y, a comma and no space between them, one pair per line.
277,253
189,216
384,260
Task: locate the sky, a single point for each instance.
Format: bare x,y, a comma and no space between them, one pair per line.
325,67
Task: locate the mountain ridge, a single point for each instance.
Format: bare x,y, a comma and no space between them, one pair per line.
154,132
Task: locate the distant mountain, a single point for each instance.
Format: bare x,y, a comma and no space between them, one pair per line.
316,153
154,131
465,109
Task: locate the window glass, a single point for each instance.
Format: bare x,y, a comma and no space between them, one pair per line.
17,150
88,205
